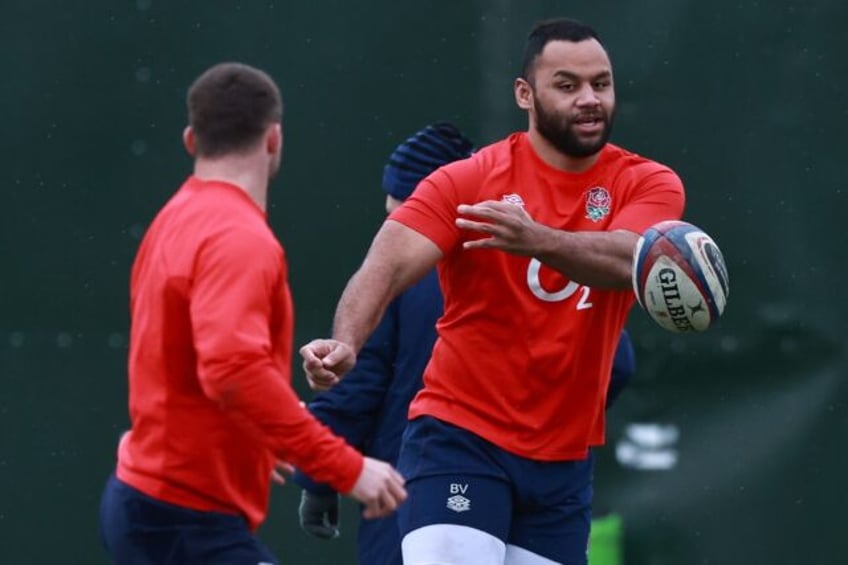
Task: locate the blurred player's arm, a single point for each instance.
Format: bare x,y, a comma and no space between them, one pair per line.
236,280
238,276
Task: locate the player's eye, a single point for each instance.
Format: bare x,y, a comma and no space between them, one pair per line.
566,86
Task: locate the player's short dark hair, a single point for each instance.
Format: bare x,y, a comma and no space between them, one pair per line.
560,29
229,108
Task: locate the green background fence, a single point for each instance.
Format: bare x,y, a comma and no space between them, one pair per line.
730,446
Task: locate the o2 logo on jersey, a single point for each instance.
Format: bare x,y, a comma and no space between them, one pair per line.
535,283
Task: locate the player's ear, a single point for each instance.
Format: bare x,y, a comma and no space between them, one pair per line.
523,94
189,141
274,139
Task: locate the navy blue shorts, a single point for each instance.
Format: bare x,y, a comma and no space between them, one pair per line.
456,477
139,530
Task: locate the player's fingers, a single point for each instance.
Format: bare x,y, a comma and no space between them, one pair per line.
315,366
397,491
370,512
507,208
507,214
388,502
278,478
316,348
284,467
306,350
487,209
481,227
320,383
488,243
325,374
312,366
396,476
310,358
340,356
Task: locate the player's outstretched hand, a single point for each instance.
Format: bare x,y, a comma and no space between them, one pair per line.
380,488
509,227
325,362
319,514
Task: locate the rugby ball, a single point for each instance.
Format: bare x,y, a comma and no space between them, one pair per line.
679,277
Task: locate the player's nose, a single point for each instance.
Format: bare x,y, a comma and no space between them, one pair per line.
587,97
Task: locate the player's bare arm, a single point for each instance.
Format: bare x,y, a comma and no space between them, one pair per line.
597,259
398,257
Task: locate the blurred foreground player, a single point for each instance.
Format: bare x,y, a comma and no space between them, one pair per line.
211,404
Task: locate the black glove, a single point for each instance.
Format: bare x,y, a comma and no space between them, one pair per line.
319,514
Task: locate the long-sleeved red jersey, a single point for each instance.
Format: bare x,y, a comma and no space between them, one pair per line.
211,402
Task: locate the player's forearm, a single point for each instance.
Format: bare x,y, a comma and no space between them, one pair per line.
596,259
398,257
363,303
258,398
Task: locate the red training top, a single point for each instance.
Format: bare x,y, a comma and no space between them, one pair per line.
211,402
524,355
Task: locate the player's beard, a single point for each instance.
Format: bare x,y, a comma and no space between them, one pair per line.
559,131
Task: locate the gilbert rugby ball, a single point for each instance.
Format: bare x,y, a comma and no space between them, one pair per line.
679,277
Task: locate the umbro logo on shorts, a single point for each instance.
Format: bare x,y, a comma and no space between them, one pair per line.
459,503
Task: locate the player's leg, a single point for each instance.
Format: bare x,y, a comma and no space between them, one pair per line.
552,519
440,525
519,556
378,542
138,530
128,532
226,541
459,502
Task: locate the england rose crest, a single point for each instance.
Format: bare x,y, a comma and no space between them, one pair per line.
598,202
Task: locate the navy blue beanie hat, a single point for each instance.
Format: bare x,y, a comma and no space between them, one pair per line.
435,145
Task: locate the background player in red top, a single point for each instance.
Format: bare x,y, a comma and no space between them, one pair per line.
211,403
533,237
